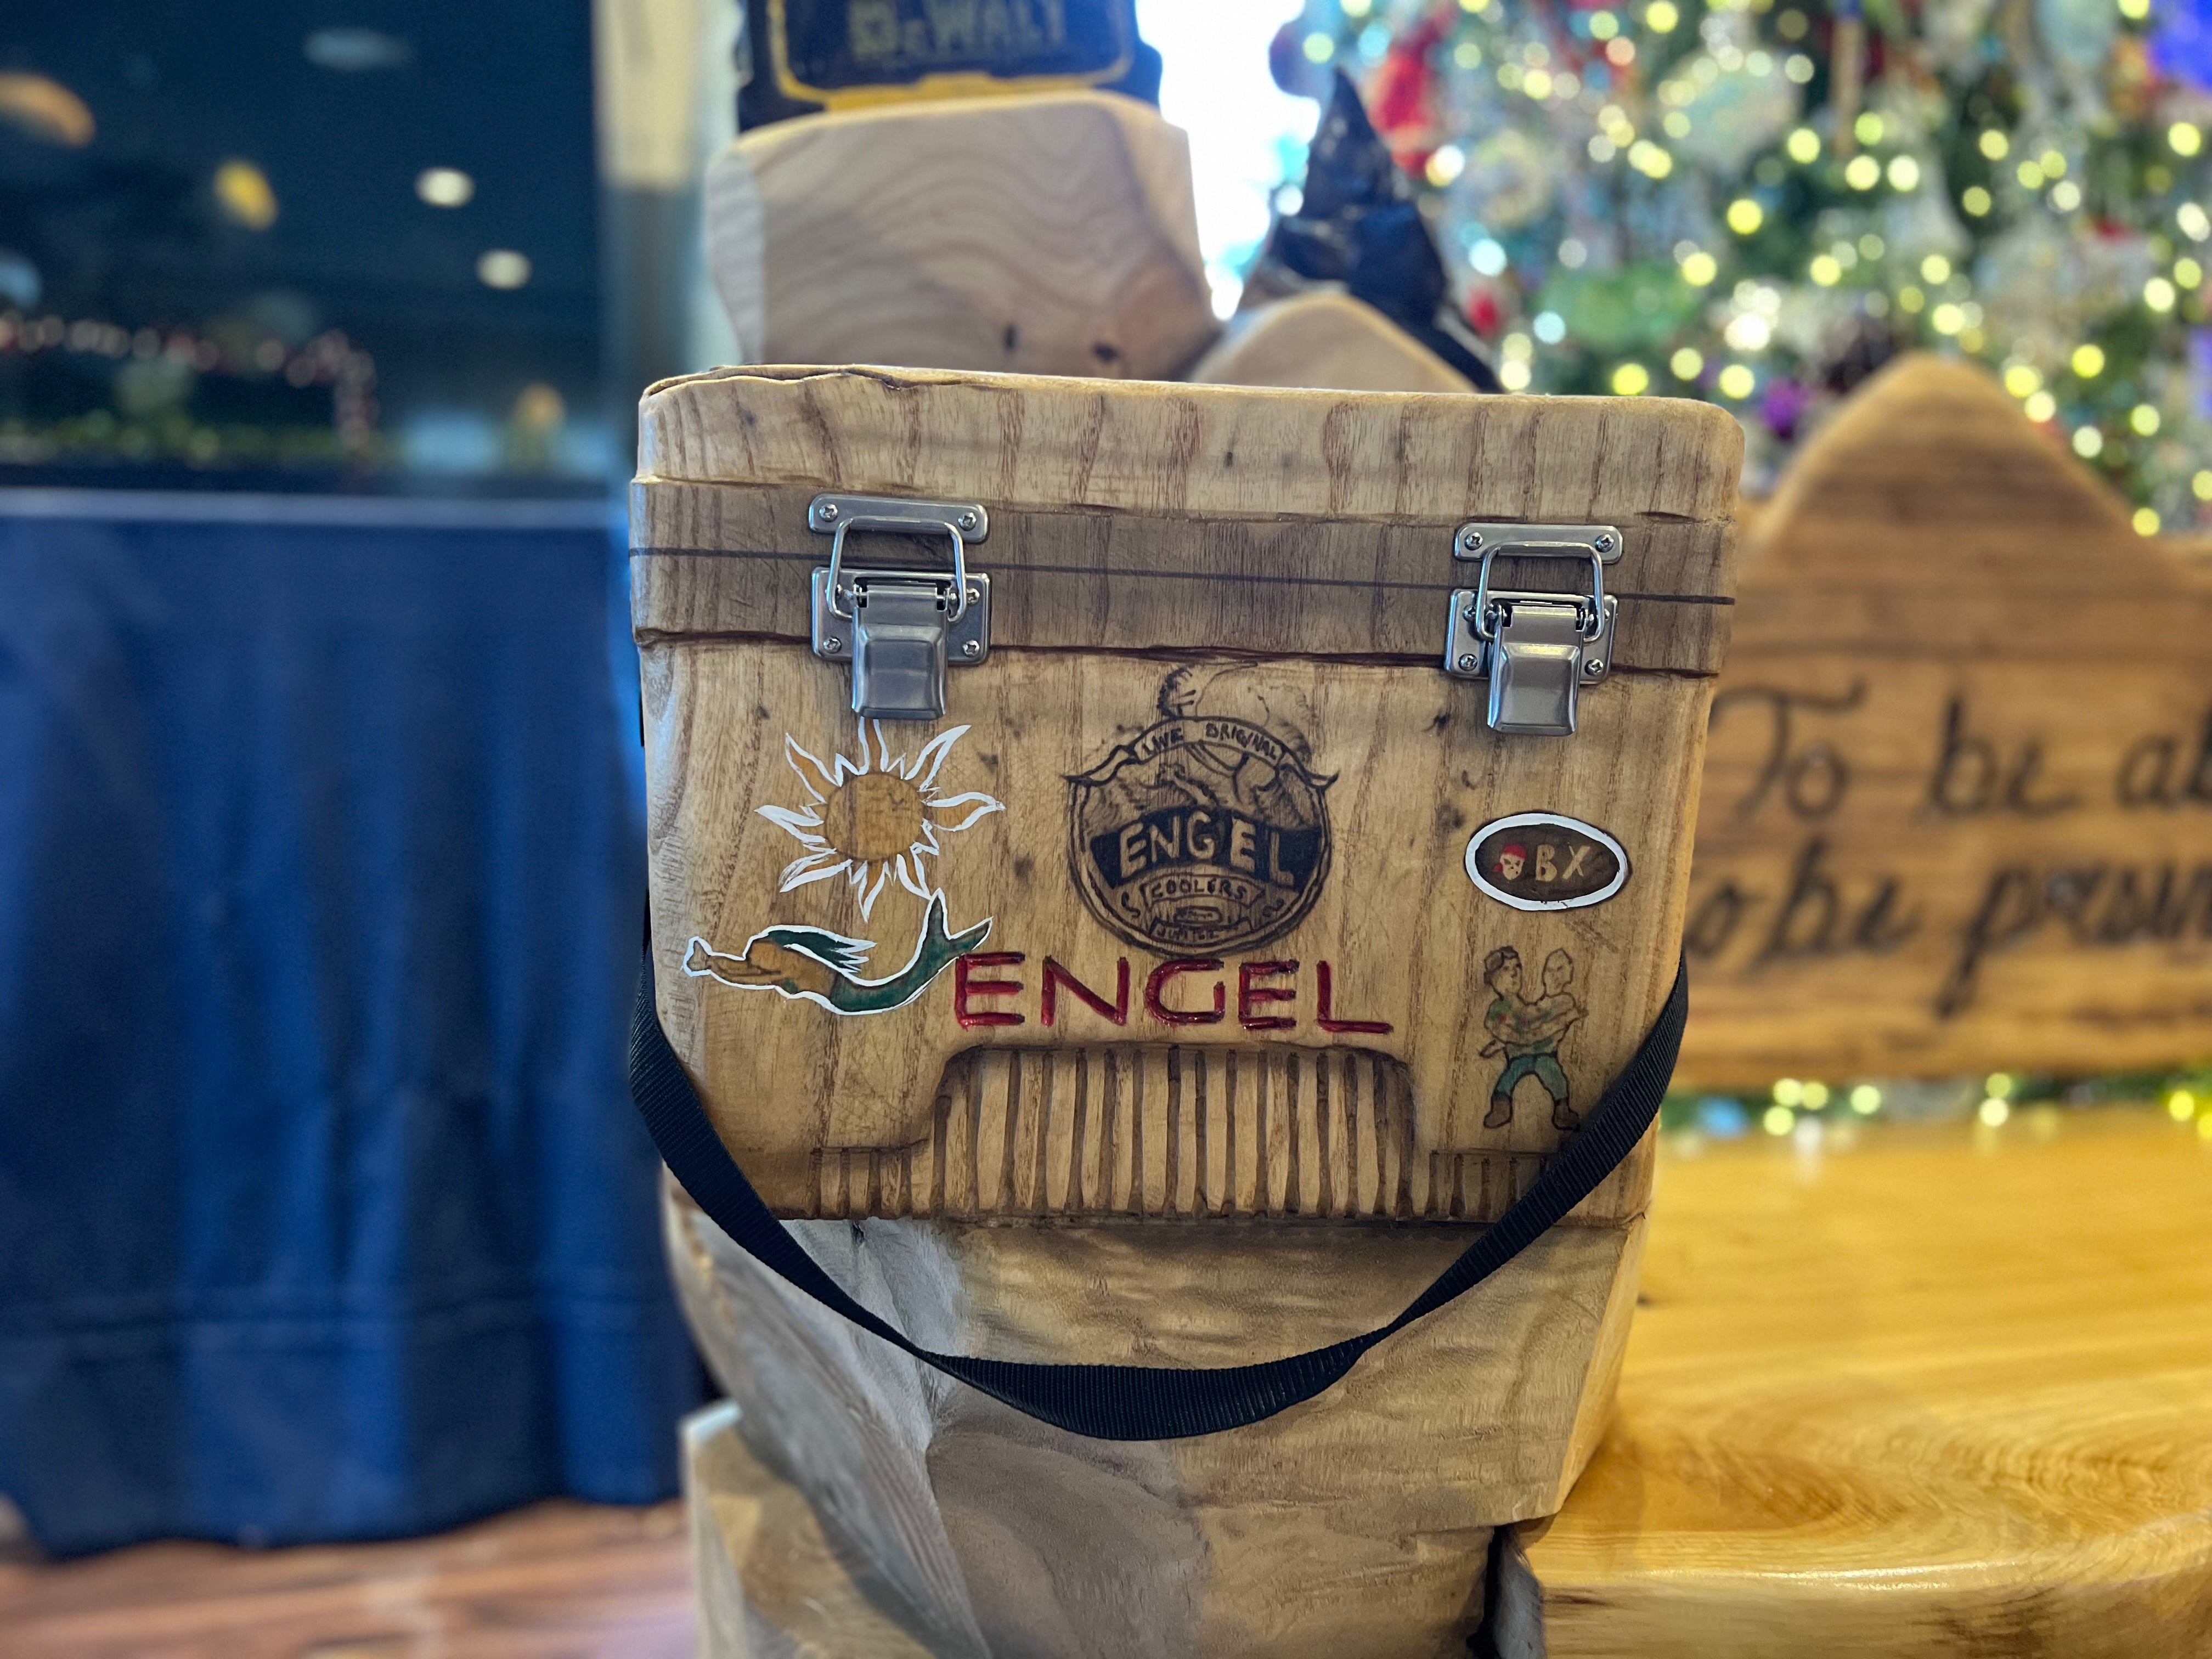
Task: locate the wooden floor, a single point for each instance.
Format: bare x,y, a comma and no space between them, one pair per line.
556,1581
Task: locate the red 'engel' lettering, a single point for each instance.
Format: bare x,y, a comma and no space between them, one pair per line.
1326,1018
1055,976
1248,995
964,985
1155,1005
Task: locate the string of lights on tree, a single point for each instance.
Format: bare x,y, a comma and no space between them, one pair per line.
1812,1111
1759,202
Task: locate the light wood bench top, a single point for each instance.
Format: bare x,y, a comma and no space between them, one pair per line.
1943,1391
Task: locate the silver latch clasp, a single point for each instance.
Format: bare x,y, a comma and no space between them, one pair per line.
1537,649
900,628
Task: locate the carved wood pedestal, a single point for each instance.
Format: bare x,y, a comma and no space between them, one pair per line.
1359,1523
769,1581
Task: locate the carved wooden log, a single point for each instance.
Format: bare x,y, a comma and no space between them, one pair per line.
770,1581
1327,339
1271,1006
1357,1525
1049,234
1958,808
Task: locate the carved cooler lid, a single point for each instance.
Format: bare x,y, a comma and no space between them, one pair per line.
1151,516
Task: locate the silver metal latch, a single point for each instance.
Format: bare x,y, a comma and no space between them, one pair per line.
900,627
1536,649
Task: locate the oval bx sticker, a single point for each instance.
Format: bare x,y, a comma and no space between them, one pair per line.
1545,861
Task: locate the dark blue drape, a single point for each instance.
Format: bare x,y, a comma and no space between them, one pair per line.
322,1210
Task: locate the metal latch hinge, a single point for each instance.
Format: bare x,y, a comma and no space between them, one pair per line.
1537,649
900,627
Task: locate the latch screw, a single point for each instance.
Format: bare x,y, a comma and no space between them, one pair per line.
1471,541
1604,543
1466,663
827,510
971,647
966,520
832,644
1593,666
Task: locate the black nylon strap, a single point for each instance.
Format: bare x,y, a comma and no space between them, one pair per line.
1144,1402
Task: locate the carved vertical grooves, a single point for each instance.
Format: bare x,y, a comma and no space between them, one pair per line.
934,1148
1080,1134
967,1156
1173,1189
1265,1193
1101,1198
1204,1193
1483,1186
1127,1129
1401,1097
1230,1112
1326,1162
1130,1130
1135,1118
1008,1199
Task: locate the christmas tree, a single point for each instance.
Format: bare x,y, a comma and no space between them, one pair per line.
1759,202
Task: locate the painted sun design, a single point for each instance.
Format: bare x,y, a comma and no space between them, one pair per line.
874,819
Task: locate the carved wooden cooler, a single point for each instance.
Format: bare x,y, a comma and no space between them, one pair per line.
1141,874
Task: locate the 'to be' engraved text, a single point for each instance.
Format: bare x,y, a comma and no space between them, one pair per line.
1822,912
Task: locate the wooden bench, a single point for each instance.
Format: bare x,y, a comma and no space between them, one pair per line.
1947,1392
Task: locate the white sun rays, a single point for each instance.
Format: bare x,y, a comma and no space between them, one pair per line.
882,815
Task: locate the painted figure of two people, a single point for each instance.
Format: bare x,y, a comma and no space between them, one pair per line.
1528,1032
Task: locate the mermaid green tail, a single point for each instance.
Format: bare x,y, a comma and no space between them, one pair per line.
818,965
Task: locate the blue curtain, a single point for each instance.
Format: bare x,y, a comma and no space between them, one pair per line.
324,1213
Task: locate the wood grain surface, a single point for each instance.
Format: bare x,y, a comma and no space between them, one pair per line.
1357,1524
558,1580
1046,442
1405,931
1048,232
1947,1394
1130,1131
1406,769
768,1573
1958,805
1325,338
734,563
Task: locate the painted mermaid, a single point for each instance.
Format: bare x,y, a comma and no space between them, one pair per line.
819,966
